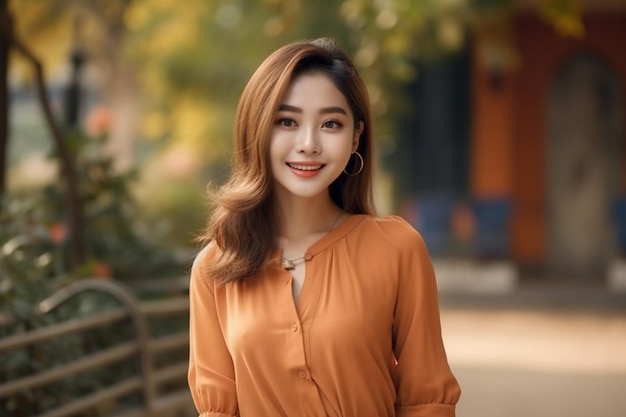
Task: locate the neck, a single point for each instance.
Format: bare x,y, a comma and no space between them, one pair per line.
301,219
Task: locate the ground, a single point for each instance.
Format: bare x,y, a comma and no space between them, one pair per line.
540,353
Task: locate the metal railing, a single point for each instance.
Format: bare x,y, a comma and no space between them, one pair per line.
148,382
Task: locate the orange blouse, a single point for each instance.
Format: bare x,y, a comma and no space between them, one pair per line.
364,339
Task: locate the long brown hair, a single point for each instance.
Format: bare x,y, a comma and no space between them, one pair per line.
243,223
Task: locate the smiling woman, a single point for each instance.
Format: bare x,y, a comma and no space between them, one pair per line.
303,302
313,137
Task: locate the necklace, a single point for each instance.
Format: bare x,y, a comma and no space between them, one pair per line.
289,264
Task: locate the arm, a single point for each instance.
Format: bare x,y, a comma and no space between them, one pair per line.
424,382
211,376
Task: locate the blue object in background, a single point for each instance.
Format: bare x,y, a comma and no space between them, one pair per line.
434,214
492,227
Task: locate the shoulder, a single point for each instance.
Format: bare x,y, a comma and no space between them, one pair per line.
391,237
202,261
392,231
390,246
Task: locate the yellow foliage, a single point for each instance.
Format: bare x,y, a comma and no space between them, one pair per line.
154,125
395,44
49,42
450,33
195,124
565,16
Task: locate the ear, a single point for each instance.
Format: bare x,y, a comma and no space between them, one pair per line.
357,136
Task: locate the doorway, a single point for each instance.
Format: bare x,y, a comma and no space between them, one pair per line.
584,159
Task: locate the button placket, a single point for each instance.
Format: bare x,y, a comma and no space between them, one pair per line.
295,336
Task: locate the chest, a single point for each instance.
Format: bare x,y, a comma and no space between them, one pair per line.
337,304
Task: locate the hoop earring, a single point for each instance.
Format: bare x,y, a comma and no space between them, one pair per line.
360,167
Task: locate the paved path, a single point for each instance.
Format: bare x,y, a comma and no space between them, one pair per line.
537,361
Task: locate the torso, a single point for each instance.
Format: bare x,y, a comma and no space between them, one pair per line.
330,318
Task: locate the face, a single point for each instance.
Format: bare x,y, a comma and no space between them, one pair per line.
313,136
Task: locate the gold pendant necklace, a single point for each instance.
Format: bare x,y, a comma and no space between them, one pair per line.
289,264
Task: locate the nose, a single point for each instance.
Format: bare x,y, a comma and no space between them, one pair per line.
308,142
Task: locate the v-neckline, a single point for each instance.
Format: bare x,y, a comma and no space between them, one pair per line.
320,245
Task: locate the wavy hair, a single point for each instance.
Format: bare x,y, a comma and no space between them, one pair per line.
243,222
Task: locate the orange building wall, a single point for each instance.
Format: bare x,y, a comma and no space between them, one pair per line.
492,135
509,125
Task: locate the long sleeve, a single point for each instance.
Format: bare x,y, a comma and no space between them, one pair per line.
211,376
424,383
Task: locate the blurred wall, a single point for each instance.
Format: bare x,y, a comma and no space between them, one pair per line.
511,123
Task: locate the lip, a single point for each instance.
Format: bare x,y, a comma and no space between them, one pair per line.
306,169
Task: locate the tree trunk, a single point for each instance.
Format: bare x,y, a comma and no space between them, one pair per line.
123,91
4,95
68,172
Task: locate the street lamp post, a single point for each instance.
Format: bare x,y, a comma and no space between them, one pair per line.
73,92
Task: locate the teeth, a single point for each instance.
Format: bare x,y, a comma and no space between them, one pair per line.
305,167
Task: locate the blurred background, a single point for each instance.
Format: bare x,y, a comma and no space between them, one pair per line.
500,133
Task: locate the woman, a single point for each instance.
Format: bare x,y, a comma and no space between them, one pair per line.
304,303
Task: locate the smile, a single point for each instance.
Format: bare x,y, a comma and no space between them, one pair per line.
305,167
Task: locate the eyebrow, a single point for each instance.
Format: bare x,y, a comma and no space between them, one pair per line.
325,110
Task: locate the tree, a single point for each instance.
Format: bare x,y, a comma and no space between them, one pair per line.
65,156
5,18
185,66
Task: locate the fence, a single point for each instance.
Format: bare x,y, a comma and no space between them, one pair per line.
162,388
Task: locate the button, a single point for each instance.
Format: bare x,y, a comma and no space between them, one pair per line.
294,327
302,374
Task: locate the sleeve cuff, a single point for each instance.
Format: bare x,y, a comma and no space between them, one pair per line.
426,410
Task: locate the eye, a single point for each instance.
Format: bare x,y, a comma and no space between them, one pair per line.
332,124
285,122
